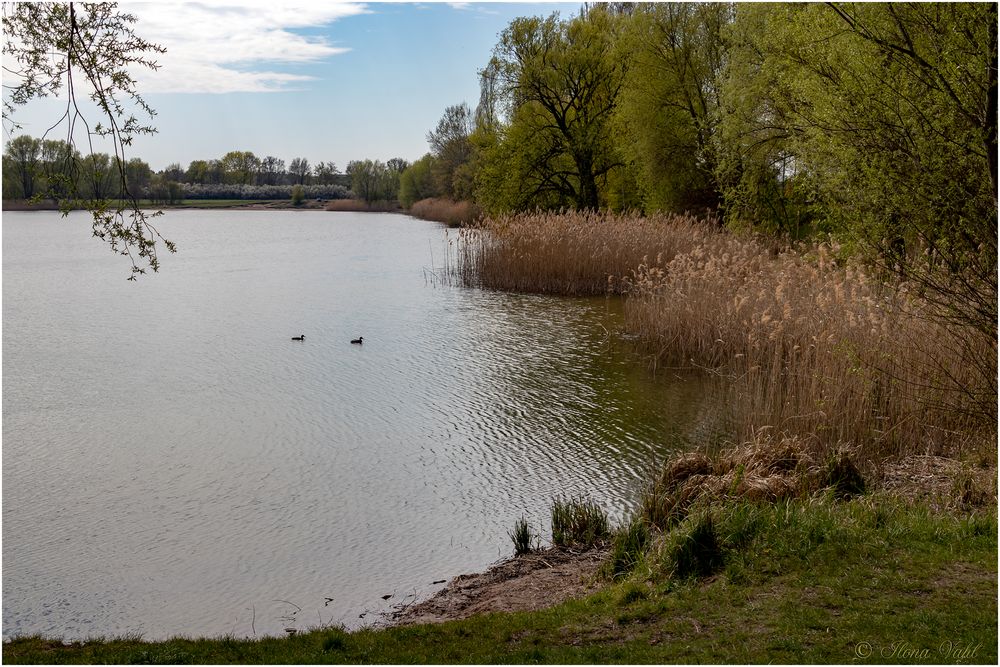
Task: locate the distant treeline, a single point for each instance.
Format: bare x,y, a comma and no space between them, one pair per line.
54,170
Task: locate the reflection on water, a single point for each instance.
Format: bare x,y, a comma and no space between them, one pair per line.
174,464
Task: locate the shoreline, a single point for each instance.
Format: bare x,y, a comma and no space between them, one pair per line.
556,606
531,582
209,205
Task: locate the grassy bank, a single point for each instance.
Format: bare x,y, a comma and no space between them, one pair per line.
799,581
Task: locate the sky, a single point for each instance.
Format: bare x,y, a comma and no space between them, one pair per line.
327,81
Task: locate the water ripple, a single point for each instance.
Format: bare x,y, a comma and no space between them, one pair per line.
174,464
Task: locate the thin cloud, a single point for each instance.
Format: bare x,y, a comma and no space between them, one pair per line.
229,47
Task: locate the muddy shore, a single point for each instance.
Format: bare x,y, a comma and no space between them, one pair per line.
525,583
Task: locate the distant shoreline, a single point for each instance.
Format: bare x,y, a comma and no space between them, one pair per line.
351,205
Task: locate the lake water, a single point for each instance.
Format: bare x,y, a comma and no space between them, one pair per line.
174,464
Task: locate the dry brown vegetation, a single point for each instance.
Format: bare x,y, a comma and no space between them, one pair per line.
353,205
452,213
818,350
570,253
813,349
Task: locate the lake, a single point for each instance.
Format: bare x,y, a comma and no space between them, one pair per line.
173,463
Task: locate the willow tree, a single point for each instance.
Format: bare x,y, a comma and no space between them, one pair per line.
556,87
53,48
669,109
886,114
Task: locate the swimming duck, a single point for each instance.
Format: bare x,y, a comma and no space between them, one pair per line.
302,337
358,341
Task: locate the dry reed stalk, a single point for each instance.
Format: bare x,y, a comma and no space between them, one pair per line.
816,349
452,213
578,253
813,348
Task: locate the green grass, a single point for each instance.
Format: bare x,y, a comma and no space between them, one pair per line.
803,581
577,522
523,536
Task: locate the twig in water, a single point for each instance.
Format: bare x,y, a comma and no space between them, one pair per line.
297,607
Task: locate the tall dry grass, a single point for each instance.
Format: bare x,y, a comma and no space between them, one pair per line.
569,253
813,347
361,206
452,213
818,350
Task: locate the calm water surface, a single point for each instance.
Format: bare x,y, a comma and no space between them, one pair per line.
174,464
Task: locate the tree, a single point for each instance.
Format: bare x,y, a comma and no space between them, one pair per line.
559,88
98,176
23,155
298,195
669,108
174,172
138,176
373,180
271,170
240,167
417,182
60,163
299,169
45,44
325,173
197,172
452,149
885,116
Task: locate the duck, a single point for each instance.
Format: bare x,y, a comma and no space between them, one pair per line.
358,341
299,337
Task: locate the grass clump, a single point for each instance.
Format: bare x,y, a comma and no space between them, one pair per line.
523,536
628,546
577,522
842,476
693,549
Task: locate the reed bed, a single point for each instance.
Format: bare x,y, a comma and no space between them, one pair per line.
452,213
361,206
579,253
817,350
812,347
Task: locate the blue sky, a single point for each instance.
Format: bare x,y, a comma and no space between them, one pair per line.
324,81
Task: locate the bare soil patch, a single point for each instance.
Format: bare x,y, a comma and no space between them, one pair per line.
525,583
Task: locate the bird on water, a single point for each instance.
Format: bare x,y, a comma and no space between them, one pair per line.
300,337
358,341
